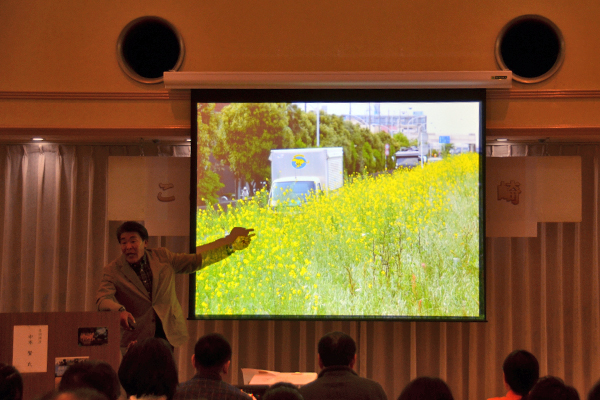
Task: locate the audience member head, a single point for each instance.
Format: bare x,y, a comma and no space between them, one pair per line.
282,391
552,388
93,374
132,226
594,393
212,353
148,369
336,348
426,388
74,394
11,383
521,371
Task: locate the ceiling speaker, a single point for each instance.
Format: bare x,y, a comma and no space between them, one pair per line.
532,47
149,46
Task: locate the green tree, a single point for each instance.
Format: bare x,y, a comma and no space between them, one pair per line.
446,149
387,162
247,134
400,140
303,128
209,183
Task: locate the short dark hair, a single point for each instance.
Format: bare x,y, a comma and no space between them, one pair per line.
11,383
426,388
594,393
94,374
282,391
521,371
336,348
552,388
148,368
132,226
212,351
79,394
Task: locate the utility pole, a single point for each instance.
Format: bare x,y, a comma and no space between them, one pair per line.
318,125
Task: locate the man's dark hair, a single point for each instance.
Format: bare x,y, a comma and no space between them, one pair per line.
552,388
336,348
282,391
594,393
132,226
426,388
148,368
98,375
212,351
77,394
11,383
521,371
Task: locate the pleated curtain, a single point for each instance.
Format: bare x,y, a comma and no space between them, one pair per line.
542,293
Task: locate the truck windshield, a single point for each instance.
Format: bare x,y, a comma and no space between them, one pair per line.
294,192
407,162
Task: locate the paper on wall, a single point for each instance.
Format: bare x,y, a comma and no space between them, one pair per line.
30,348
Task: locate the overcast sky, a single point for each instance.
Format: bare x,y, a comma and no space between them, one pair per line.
442,118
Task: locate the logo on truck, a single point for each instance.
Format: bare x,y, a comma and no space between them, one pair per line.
299,161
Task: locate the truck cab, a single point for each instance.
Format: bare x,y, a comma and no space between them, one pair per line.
293,191
296,173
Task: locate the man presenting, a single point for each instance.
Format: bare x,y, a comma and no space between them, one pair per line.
141,282
337,380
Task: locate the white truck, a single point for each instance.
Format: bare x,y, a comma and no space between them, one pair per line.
295,173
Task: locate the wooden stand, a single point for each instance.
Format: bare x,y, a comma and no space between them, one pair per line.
63,341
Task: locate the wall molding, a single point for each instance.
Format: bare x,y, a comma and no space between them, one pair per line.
541,94
165,134
492,94
579,134
179,133
92,96
529,130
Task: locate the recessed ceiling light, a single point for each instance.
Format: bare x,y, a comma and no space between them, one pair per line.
502,140
37,139
188,140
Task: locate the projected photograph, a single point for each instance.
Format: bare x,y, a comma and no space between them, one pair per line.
360,209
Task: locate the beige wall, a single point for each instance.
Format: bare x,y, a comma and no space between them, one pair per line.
70,47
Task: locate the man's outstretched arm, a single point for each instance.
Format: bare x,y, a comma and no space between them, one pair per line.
238,239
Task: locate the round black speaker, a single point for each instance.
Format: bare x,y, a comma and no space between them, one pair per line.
532,47
149,46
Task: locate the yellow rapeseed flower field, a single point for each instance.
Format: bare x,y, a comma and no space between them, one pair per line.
399,244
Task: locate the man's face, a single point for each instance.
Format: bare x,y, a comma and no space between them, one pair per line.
132,246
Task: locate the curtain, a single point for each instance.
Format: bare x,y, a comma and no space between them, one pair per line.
542,293
53,224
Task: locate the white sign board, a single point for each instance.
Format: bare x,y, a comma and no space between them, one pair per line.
522,191
30,348
155,190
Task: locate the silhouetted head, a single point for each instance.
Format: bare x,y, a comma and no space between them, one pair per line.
521,371
98,375
282,391
148,369
74,394
212,351
336,348
552,388
426,388
594,393
11,383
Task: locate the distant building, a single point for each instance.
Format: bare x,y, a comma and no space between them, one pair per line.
409,123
